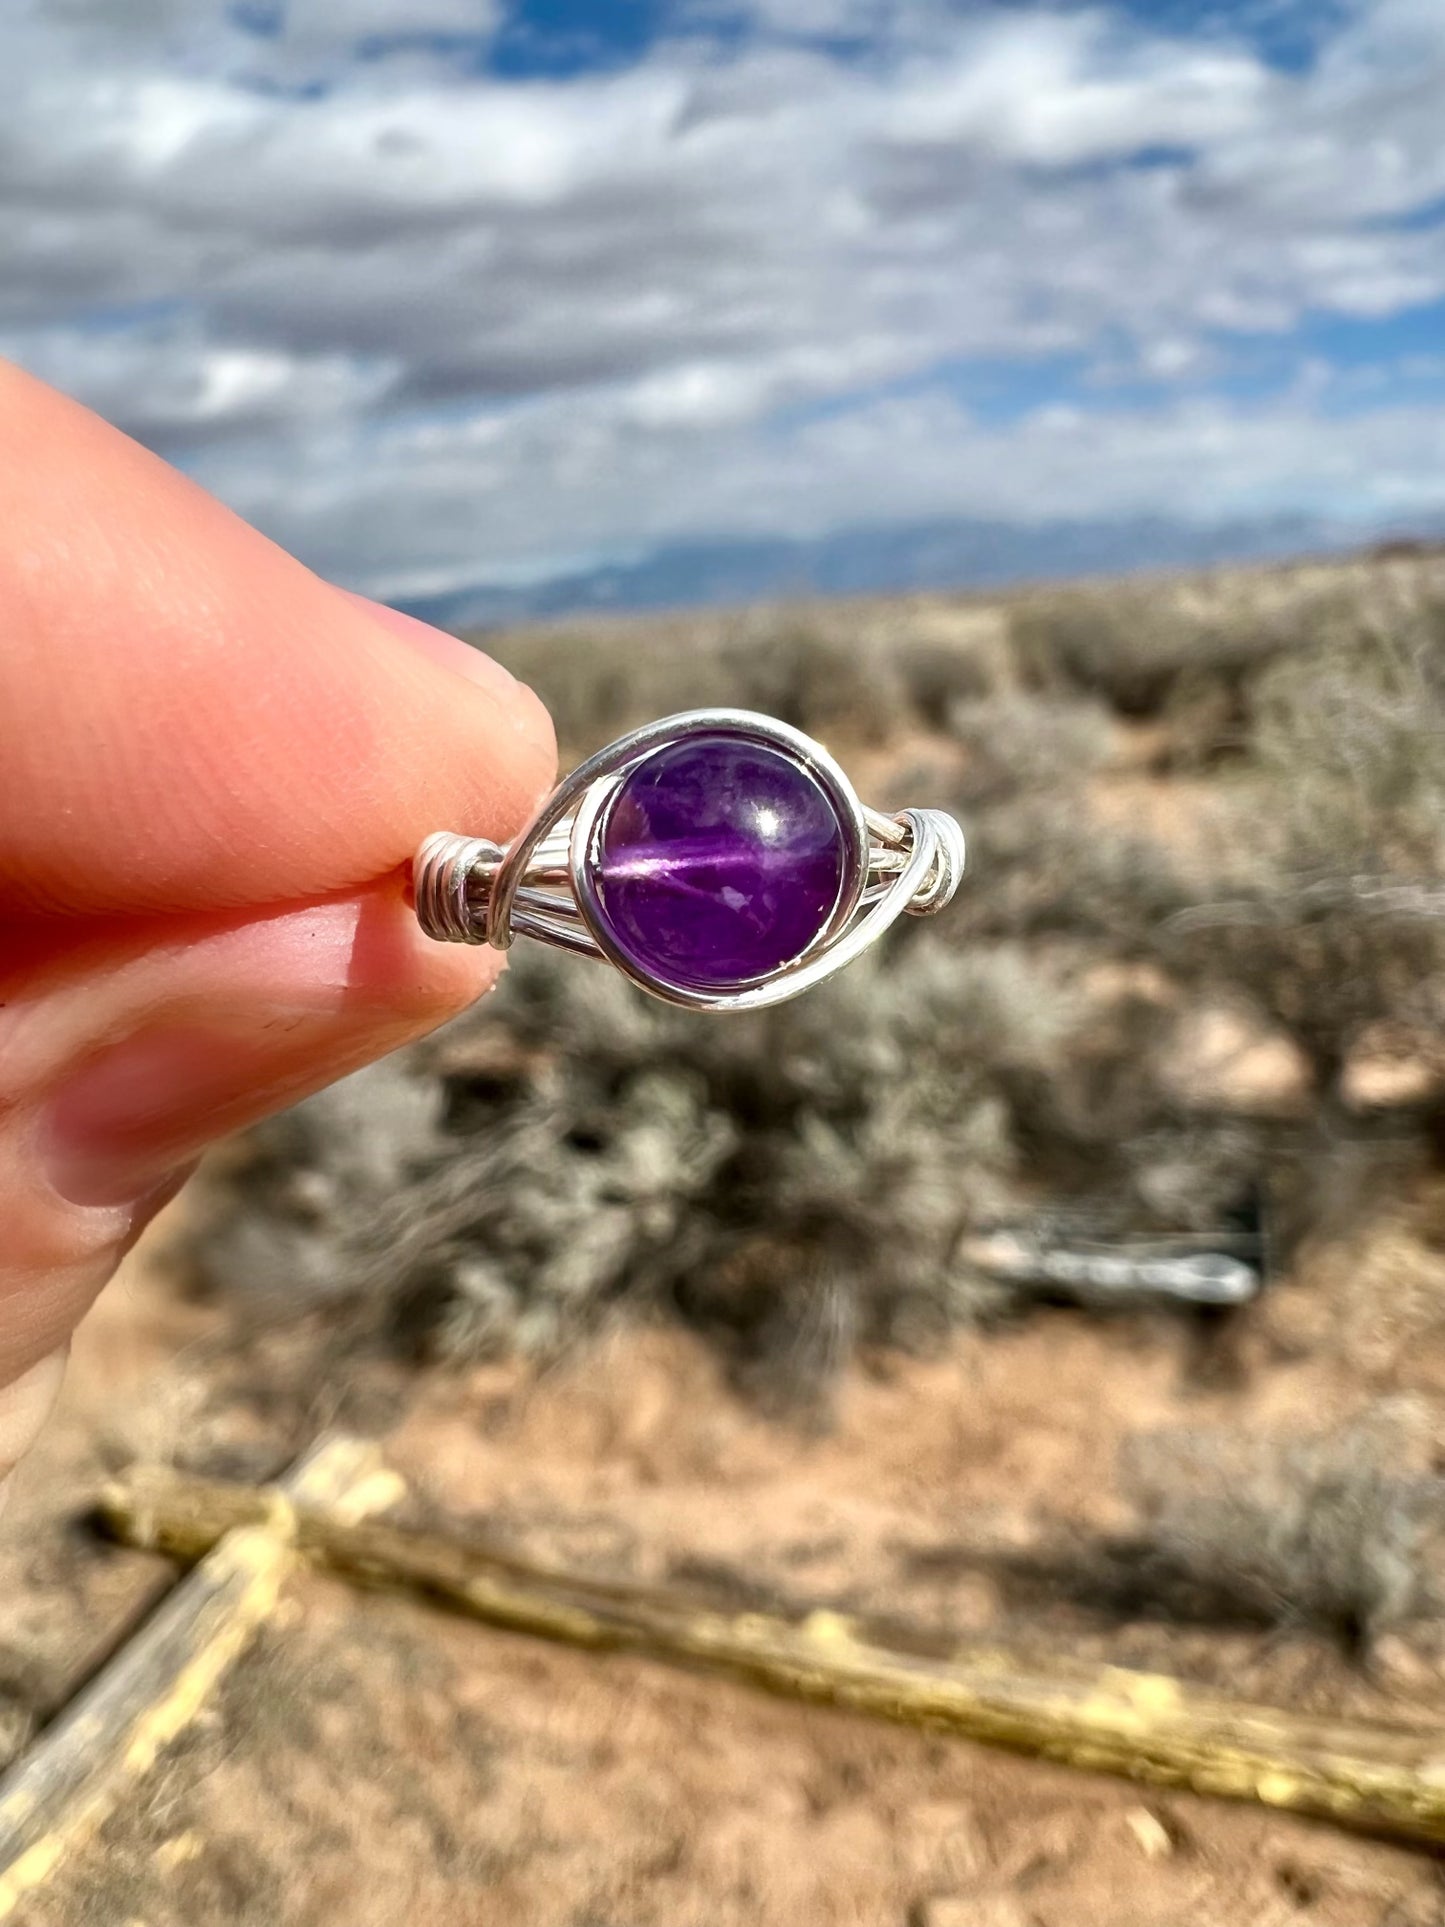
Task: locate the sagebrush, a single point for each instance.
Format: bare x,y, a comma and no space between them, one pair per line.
1217,793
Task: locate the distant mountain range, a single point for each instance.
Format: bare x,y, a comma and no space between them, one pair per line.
924,555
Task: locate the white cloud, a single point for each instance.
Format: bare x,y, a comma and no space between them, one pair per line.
341,23
421,320
172,387
440,505
1057,90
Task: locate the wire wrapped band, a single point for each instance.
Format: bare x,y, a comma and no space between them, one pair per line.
470,890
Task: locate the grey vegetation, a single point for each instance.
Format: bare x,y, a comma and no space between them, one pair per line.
1340,1532
793,1182
1224,791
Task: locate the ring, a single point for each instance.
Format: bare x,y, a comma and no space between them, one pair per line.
720,860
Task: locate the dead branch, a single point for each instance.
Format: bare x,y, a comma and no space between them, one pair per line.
1145,1727
63,1787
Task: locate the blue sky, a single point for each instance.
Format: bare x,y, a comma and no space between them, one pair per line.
449,291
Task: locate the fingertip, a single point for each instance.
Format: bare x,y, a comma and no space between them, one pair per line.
311,738
521,705
439,644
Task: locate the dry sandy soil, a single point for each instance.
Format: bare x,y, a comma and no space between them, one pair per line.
372,1762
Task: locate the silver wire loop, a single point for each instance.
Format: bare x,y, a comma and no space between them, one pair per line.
469,890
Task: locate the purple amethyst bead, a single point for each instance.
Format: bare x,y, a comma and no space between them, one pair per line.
719,859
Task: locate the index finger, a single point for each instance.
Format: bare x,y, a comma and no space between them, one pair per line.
190,720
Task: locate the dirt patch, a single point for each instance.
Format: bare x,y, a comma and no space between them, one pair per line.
366,1768
372,1762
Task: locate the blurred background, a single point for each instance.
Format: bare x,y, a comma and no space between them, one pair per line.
1045,406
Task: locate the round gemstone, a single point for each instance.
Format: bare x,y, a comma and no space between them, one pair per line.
719,859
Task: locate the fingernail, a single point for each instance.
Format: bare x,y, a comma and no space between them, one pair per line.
119,1129
450,651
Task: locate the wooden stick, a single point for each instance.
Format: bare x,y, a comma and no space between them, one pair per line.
67,1782
1143,1726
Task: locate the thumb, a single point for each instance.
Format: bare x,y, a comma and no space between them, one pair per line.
212,769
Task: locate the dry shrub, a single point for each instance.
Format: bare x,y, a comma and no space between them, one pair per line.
1353,742
943,680
829,675
828,684
792,1182
602,678
1131,642
1339,1532
1182,649
1328,910
1016,745
1040,863
797,1183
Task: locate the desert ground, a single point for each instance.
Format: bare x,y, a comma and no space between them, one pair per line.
700,1304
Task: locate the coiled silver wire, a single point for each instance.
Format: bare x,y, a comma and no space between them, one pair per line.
470,890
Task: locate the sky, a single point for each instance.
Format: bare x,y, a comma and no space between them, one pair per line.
449,291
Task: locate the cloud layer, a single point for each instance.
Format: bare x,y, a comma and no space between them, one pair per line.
786,267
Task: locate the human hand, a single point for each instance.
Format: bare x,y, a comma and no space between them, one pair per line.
213,768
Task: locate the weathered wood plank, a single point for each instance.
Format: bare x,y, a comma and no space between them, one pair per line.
66,1783
1145,1727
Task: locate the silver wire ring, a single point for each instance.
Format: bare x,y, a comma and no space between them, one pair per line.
553,882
